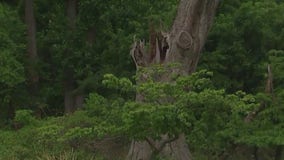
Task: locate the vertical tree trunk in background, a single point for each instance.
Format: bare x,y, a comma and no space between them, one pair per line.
278,152
255,153
69,79
33,76
182,45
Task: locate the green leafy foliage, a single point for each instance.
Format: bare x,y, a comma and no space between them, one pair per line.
243,34
11,58
191,105
24,117
51,138
267,129
11,69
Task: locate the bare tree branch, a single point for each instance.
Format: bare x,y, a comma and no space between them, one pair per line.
166,141
152,144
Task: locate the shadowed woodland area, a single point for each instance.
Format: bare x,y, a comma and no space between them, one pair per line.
142,80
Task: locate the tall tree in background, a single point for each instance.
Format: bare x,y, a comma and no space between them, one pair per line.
69,79
33,76
182,45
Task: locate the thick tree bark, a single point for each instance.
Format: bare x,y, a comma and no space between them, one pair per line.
182,45
33,76
69,79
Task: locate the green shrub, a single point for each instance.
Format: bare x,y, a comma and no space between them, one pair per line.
25,117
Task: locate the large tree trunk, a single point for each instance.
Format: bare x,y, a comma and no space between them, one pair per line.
69,79
182,45
33,77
